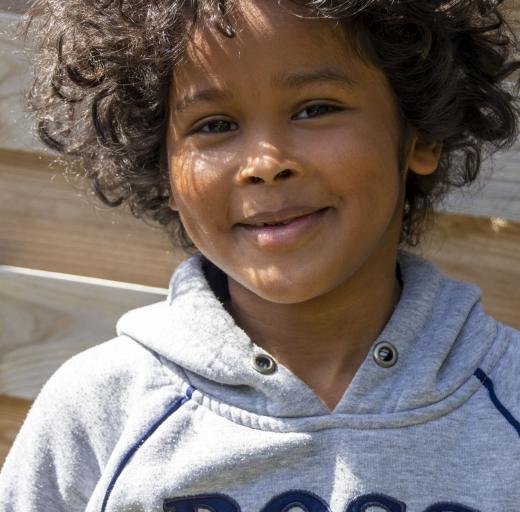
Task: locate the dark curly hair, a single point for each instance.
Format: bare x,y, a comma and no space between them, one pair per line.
103,70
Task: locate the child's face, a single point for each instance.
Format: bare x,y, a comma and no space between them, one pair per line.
279,122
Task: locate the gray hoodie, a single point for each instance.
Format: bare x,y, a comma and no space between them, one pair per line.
176,415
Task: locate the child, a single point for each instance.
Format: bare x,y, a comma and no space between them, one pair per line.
304,360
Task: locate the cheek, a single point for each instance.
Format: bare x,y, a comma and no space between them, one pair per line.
191,180
376,143
360,165
356,160
200,194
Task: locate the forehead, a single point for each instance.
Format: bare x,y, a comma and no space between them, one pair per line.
271,37
265,21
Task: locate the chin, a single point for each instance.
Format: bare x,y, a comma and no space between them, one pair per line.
285,292
285,298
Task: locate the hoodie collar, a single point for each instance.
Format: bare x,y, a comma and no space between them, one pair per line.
438,328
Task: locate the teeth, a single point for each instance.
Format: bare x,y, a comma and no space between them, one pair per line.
279,223
262,224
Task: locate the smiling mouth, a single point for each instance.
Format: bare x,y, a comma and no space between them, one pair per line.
285,233
277,219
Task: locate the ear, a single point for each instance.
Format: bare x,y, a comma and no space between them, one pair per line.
423,158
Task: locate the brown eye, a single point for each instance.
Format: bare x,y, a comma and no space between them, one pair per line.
316,111
217,126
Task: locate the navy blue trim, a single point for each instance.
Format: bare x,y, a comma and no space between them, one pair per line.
488,383
446,506
173,407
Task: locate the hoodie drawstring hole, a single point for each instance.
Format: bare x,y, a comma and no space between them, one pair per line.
385,354
264,364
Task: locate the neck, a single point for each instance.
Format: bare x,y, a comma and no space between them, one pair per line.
324,340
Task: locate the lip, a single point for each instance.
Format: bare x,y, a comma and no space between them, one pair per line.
283,215
298,227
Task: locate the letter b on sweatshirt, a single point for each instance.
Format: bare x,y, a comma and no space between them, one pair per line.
216,502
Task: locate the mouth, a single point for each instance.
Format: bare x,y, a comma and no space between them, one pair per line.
284,229
280,218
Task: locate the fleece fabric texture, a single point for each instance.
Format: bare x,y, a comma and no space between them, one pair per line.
172,415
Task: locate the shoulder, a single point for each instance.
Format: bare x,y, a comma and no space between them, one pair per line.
505,375
509,363
92,394
70,430
102,364
108,375
87,401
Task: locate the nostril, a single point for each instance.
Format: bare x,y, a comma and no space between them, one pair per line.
286,173
260,178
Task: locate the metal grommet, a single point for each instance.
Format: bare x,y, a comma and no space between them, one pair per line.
385,354
264,363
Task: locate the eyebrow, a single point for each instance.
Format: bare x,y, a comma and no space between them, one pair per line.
282,80
324,75
209,95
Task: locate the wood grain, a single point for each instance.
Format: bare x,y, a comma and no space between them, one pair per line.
48,225
47,318
13,412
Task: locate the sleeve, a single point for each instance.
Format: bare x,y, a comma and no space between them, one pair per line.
52,465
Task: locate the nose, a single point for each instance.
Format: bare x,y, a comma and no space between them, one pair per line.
267,166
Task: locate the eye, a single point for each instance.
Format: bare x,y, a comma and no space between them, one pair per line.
216,126
316,111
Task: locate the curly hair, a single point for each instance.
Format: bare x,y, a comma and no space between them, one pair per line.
103,71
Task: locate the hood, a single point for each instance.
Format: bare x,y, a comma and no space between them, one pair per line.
438,327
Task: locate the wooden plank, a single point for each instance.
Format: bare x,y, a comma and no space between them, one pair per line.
13,412
497,195
482,251
48,225
47,318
